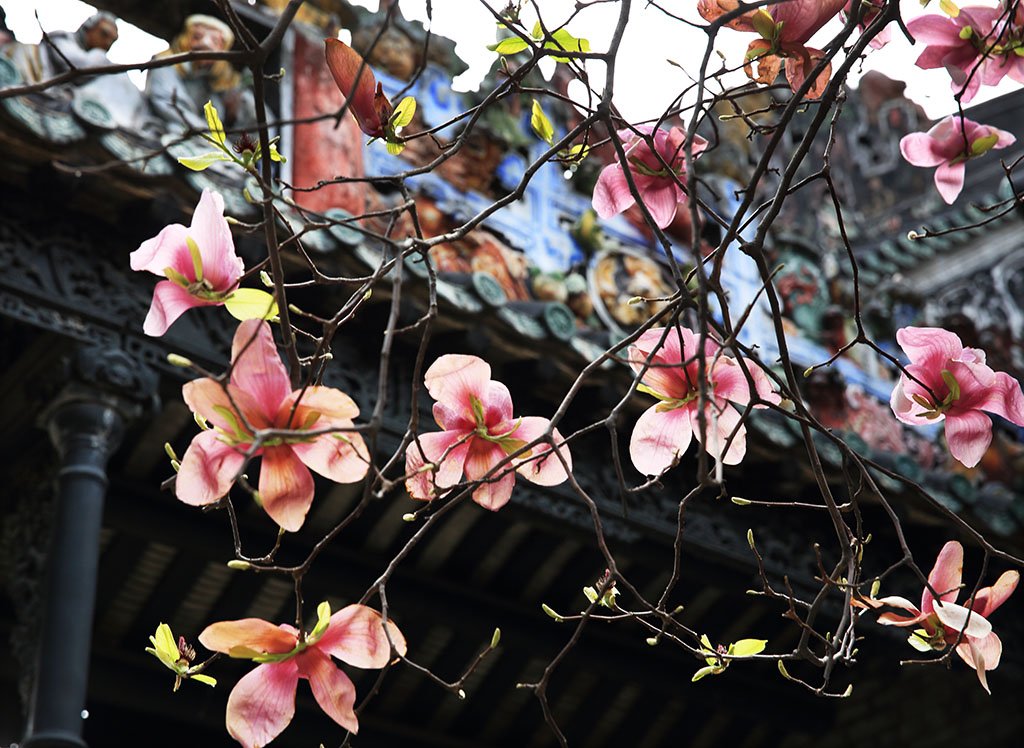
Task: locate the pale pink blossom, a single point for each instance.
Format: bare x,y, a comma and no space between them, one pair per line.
260,395
945,146
955,384
663,432
199,263
262,703
959,44
884,36
943,622
479,432
656,184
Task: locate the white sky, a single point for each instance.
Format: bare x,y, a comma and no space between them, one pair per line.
645,82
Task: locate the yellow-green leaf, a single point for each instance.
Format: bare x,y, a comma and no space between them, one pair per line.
701,673
949,8
251,303
404,112
541,124
214,123
983,145
747,647
201,162
394,147
204,679
509,46
323,620
562,39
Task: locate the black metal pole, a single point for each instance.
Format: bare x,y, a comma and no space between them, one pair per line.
85,433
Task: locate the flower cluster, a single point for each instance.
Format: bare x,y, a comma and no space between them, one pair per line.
943,622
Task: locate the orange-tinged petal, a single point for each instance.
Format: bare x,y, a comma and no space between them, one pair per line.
333,405
356,636
424,485
332,689
262,703
208,398
253,634
286,487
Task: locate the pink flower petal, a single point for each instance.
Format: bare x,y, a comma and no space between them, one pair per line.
332,689
934,29
207,469
356,636
425,485
662,201
611,193
949,180
454,378
166,249
170,301
543,466
251,634
286,487
930,347
497,406
968,435
262,703
342,456
889,618
945,576
971,654
257,367
659,438
211,233
990,598
495,492
1002,397
990,649
921,149
721,424
802,18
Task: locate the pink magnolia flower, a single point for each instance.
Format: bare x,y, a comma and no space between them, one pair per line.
942,620
479,433
199,263
655,184
959,44
944,146
785,28
961,387
262,703
664,431
366,98
259,396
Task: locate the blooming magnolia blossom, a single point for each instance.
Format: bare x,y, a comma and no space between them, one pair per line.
949,145
259,396
785,29
943,622
961,43
199,263
664,431
479,433
657,186
262,703
944,380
